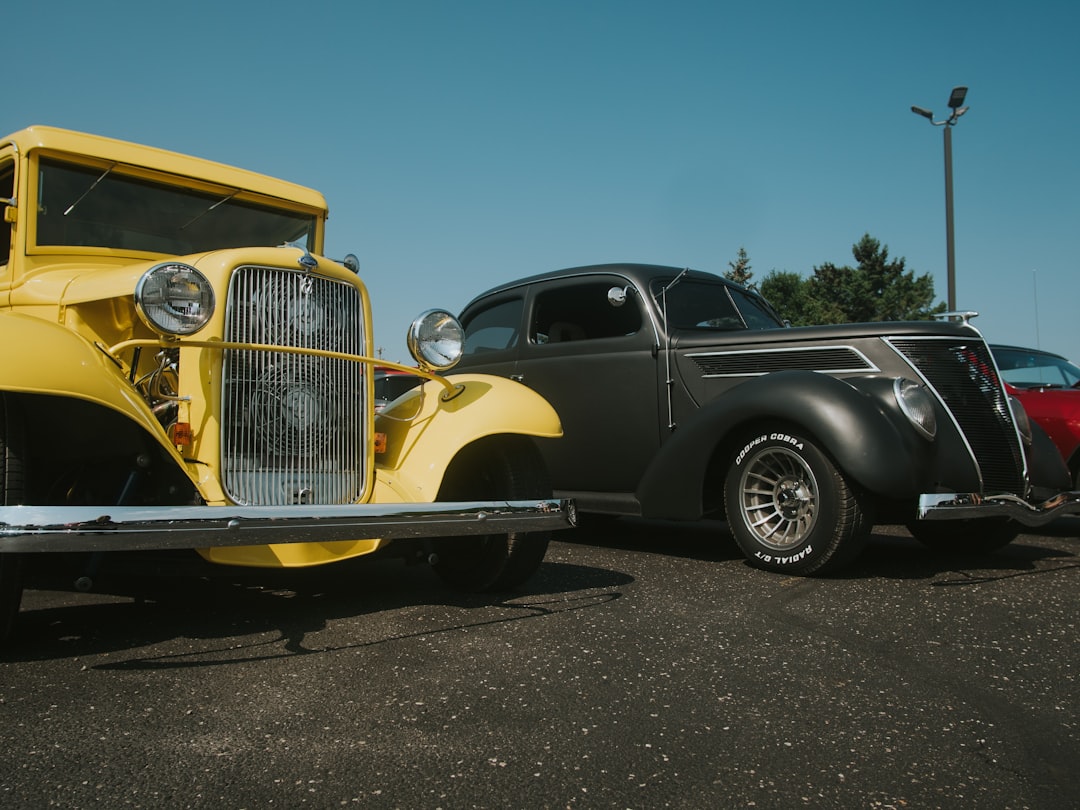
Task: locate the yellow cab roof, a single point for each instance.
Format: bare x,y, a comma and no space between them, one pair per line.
116,151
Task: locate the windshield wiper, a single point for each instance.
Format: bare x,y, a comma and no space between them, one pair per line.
93,185
197,217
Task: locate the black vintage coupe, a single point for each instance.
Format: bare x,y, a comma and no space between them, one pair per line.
683,395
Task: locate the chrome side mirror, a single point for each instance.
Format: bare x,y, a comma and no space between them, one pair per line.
616,296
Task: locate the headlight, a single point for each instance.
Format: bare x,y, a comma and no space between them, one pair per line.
1023,423
436,340
917,404
174,299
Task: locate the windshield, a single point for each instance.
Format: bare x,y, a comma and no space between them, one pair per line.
1035,369
700,304
83,206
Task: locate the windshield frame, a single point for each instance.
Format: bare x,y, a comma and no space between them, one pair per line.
197,199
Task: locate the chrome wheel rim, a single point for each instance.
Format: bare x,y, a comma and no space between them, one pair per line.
779,498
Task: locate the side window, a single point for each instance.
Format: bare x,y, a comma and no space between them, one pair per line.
494,328
583,312
7,191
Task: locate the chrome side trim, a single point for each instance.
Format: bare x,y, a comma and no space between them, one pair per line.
134,528
861,365
958,506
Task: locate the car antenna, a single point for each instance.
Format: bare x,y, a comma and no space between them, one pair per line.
667,343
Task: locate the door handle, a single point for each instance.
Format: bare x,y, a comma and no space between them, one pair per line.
518,378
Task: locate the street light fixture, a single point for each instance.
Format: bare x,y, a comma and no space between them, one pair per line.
956,101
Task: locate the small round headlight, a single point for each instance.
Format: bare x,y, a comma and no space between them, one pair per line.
174,299
917,404
436,340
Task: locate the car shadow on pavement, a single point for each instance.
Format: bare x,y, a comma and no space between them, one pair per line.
705,540
890,553
139,601
893,554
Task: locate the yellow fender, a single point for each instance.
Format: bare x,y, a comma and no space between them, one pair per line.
426,427
51,359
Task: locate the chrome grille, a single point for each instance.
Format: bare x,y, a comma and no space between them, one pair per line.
964,376
292,425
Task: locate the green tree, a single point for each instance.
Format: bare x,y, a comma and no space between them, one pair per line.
740,271
784,290
876,289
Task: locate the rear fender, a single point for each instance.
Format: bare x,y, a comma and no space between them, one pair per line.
426,427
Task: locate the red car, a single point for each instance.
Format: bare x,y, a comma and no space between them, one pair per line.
1048,386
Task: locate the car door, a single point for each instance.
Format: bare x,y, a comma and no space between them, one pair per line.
596,363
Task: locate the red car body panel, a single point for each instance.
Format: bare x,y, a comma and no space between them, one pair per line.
1046,385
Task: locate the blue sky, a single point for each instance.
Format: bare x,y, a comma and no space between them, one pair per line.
465,143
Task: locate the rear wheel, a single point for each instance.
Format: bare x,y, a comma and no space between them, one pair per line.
494,468
11,491
789,507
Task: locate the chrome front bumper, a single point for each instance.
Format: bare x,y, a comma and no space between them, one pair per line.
130,528
960,506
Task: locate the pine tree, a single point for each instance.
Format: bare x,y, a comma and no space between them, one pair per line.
876,289
740,271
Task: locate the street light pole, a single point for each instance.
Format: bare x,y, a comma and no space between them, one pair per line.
950,247
956,100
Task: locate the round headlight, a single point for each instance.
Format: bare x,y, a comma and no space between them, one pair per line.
917,404
436,340
174,299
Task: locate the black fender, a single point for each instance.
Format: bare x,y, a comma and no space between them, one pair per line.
860,427
1047,470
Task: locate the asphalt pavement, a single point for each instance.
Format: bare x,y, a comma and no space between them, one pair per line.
645,666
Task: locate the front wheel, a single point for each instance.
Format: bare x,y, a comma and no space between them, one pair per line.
494,468
788,506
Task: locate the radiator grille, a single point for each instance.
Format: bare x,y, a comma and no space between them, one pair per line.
964,376
292,427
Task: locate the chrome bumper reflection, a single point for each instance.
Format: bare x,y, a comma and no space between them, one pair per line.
130,528
966,506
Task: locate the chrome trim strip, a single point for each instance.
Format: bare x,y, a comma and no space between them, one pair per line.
870,366
135,528
959,506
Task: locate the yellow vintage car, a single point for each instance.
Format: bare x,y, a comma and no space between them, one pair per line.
184,369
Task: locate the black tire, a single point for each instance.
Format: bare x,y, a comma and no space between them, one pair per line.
494,468
980,536
11,492
788,506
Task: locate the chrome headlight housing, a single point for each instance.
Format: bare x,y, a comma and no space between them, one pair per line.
436,340
174,299
917,405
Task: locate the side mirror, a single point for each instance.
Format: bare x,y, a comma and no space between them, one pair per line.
616,296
